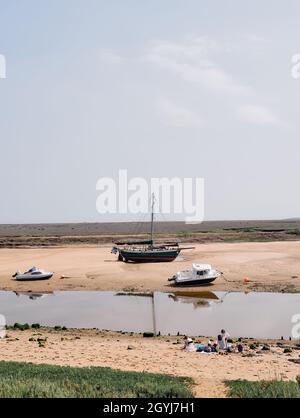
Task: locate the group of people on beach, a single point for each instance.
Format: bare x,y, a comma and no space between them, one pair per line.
221,344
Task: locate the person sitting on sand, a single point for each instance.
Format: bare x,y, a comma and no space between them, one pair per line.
189,346
214,348
239,347
208,348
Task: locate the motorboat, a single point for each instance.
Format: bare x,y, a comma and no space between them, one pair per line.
33,274
200,274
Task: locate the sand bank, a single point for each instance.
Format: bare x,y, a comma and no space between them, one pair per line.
272,266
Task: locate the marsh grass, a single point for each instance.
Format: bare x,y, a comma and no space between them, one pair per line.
26,380
263,389
292,290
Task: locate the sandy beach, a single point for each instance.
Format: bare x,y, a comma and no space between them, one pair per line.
132,352
266,266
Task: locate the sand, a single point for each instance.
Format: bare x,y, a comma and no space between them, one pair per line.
158,355
268,266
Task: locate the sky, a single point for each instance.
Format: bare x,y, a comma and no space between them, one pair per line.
162,89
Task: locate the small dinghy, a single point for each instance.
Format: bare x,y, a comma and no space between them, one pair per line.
33,274
200,274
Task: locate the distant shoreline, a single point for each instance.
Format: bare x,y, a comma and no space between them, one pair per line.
48,235
84,229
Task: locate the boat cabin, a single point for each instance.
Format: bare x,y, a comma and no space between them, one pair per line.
201,269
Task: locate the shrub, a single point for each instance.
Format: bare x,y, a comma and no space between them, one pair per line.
148,334
24,380
263,389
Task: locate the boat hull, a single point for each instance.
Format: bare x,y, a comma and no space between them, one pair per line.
27,278
194,282
149,256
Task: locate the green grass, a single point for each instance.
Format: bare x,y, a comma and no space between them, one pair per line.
292,290
263,389
26,380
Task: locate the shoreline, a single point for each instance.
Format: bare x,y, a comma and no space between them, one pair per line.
132,352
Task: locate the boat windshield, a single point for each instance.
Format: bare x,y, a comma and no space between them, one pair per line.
32,270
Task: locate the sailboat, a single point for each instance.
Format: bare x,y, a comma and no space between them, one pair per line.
146,251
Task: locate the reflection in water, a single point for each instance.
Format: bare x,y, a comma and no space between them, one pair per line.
33,295
200,295
197,302
258,315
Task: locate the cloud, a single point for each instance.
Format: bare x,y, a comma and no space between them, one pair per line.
177,116
258,115
191,61
194,61
256,39
108,56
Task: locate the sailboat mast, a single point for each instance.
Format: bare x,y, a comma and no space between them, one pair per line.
152,218
153,314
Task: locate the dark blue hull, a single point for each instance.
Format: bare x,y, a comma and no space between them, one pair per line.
200,282
149,256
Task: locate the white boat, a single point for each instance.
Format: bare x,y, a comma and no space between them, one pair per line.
200,274
33,274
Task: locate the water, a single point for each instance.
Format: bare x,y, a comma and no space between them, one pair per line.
257,315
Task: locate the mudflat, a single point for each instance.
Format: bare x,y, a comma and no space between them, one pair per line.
247,266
